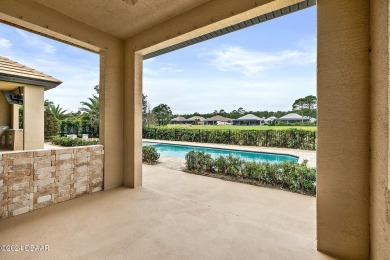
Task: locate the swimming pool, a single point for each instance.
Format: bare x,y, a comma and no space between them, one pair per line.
179,151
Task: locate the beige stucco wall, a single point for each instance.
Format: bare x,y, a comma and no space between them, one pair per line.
14,116
346,207
379,176
4,112
343,151
33,118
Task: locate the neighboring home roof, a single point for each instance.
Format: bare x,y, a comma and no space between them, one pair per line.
272,118
248,117
179,118
11,71
194,118
217,118
292,116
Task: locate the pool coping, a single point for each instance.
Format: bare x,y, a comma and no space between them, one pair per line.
302,155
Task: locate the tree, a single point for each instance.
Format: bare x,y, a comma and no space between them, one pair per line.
163,114
58,112
149,120
48,103
91,108
50,124
299,104
97,89
309,102
241,111
144,108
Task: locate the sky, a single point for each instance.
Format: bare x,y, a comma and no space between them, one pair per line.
78,69
263,67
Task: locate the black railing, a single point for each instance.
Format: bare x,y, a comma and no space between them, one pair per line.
78,128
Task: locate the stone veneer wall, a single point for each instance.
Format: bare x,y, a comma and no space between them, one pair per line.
32,180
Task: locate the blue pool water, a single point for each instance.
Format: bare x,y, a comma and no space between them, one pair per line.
179,151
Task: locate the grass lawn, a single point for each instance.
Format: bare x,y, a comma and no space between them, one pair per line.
233,127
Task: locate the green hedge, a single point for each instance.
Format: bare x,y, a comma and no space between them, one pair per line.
290,138
70,142
295,124
287,175
150,155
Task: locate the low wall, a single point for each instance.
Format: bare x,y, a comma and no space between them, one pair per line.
32,180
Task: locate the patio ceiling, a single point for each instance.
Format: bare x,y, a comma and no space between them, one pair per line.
126,18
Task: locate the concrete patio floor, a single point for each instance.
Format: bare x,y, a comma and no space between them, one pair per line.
175,215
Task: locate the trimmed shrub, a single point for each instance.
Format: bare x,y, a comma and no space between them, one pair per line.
229,165
150,155
287,175
71,142
289,138
199,162
50,124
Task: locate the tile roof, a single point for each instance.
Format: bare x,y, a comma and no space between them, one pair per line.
217,118
12,71
179,118
194,118
248,117
292,116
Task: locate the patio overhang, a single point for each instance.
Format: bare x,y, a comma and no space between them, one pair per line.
353,67
18,75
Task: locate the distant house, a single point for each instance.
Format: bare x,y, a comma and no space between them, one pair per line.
195,120
217,120
293,118
179,120
270,120
249,120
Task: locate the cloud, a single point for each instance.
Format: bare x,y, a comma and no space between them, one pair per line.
4,43
37,41
235,58
77,69
158,69
205,94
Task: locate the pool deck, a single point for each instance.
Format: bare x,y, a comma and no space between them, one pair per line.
173,216
178,163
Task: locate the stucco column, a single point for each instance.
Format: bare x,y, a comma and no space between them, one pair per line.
111,114
132,176
15,116
343,153
379,177
33,117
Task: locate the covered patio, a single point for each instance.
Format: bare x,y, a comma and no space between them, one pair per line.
175,215
353,199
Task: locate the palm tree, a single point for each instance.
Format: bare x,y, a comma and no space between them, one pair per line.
48,103
91,108
58,112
